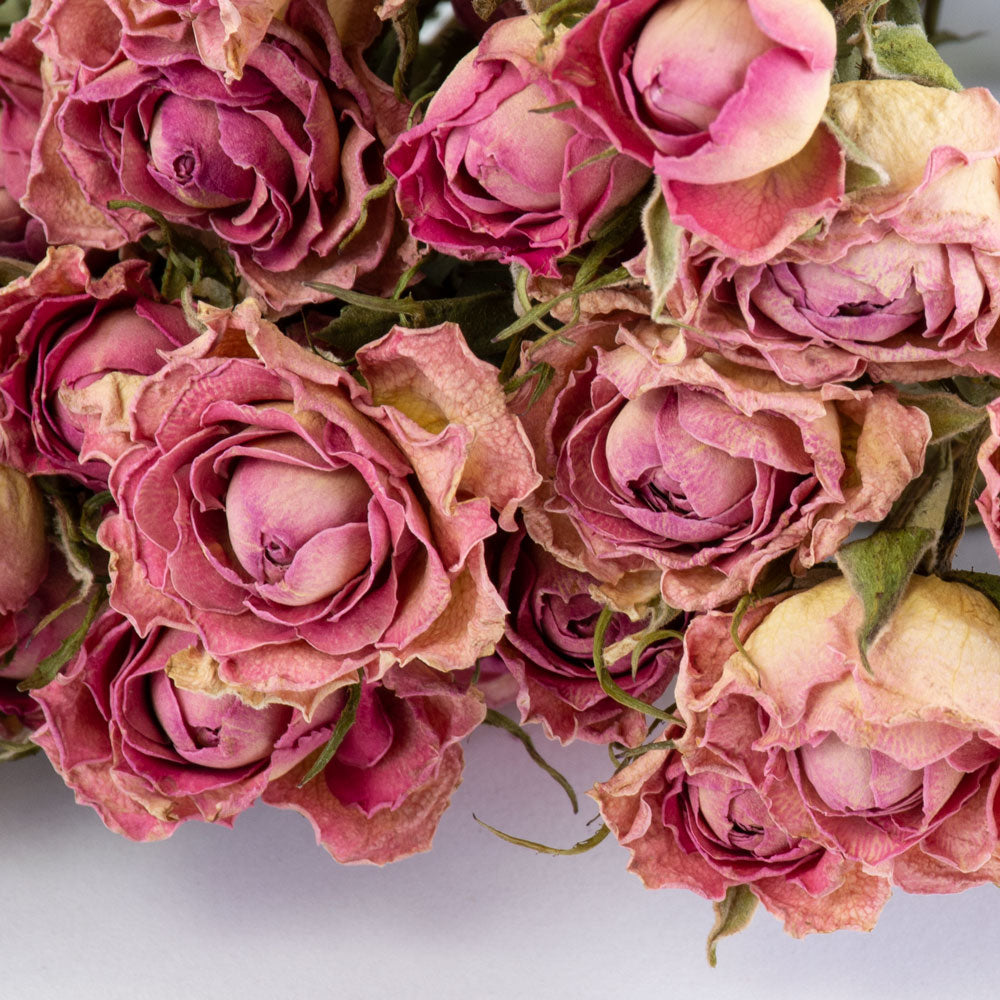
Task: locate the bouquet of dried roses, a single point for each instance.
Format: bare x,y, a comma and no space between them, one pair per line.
367,369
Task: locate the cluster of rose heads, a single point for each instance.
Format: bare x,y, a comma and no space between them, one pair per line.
354,386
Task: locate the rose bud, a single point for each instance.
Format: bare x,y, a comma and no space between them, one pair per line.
276,164
31,632
548,647
23,539
490,174
703,472
708,830
723,99
144,732
62,330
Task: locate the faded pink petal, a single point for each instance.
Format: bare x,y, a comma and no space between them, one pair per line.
485,176
383,793
903,282
723,98
895,769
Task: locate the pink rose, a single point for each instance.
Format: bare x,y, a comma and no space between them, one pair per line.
704,472
20,104
305,526
904,283
143,732
896,769
62,330
723,98
383,793
548,647
708,829
484,176
225,31
276,164
146,754
20,111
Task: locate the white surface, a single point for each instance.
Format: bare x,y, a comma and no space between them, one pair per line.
261,912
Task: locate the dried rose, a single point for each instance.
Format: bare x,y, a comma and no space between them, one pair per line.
489,173
305,526
904,283
723,98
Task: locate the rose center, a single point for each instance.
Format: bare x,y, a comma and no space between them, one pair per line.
691,57
658,456
516,155
855,779
215,732
186,157
184,167
300,532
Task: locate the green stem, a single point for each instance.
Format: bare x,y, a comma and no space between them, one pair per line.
500,721
347,716
608,685
579,848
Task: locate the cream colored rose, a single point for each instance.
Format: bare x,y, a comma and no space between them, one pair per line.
896,769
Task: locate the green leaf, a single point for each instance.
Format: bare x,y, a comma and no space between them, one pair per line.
580,847
903,12
68,648
91,512
14,750
732,914
609,237
878,569
662,249
862,170
964,473
903,52
949,415
11,11
977,391
11,269
347,716
500,721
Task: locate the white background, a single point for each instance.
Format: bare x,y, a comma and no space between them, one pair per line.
261,912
